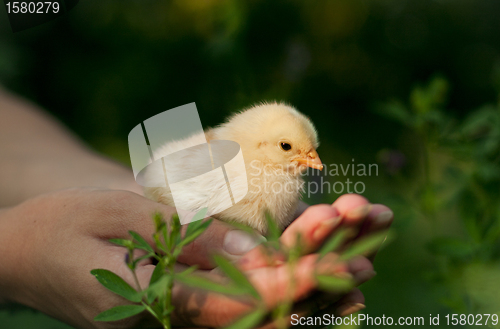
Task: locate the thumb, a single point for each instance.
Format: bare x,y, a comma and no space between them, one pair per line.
130,211
218,238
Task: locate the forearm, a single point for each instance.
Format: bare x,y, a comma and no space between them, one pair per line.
11,258
39,155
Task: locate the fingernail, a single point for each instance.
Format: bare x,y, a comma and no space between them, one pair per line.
363,276
343,275
325,227
384,218
350,308
238,242
359,212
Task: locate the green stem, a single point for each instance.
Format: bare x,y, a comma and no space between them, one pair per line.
136,280
284,308
132,268
169,294
150,310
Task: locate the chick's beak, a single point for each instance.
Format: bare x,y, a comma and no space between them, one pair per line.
311,160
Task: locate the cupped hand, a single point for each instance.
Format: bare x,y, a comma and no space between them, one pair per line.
51,242
315,225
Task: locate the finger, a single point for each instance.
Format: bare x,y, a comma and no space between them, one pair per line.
128,211
320,304
274,284
380,218
361,269
328,303
352,207
352,302
313,226
356,212
261,256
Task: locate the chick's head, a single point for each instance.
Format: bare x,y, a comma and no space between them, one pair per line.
275,134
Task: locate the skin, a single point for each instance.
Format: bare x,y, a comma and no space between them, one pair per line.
61,203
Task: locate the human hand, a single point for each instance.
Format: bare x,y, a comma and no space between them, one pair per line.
364,219
273,280
315,224
53,241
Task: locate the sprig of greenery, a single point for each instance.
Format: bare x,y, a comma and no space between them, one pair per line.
157,297
456,184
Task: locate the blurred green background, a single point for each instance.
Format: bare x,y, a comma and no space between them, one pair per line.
410,85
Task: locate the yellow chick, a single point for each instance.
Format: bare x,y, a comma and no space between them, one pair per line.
278,144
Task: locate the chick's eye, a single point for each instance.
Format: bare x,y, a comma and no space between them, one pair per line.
285,146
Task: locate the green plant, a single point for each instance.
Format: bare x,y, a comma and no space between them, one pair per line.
455,187
157,297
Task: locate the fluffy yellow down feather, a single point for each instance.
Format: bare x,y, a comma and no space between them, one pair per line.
277,143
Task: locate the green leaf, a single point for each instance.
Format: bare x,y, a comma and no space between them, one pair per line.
478,120
116,284
236,275
141,243
158,273
123,242
242,227
273,232
366,245
119,312
159,222
197,223
396,111
168,310
138,259
197,281
433,95
191,227
334,242
200,215
173,236
187,271
175,224
166,239
296,250
190,236
157,289
334,284
248,321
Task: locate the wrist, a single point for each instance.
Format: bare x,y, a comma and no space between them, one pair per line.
3,297
11,246
100,171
